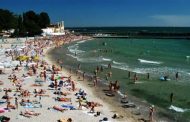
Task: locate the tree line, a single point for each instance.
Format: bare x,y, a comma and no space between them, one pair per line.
27,24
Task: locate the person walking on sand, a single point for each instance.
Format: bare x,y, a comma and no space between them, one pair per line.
45,76
151,112
95,82
56,85
83,75
73,85
79,66
16,102
80,103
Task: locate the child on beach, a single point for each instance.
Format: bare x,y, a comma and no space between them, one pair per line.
151,111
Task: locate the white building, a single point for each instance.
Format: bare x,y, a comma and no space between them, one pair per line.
54,30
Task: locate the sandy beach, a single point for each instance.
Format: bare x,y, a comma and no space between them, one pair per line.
38,102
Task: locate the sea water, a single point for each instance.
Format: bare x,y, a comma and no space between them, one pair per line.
155,56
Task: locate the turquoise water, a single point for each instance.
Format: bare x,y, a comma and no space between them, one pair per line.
154,56
159,57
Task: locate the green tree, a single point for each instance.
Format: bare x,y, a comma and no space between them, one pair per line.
7,20
31,23
44,20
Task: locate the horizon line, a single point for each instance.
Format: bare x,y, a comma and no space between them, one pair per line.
127,26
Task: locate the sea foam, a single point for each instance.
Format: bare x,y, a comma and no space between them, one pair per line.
74,49
118,63
81,41
106,59
149,62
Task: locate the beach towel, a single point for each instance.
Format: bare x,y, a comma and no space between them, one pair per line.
71,107
3,109
2,101
30,105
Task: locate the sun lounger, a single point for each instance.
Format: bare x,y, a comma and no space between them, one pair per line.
129,105
124,101
110,94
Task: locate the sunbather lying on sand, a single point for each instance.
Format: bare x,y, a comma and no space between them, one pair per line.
59,108
62,99
31,113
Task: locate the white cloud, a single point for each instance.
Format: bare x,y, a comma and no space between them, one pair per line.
173,20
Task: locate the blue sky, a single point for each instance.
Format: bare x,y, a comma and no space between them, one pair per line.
77,13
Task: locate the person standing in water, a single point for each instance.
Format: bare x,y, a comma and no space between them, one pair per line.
135,77
148,76
79,66
171,97
129,74
109,66
101,69
177,76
